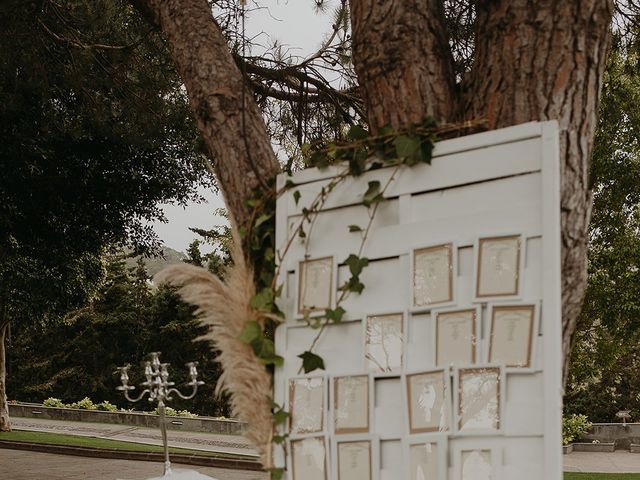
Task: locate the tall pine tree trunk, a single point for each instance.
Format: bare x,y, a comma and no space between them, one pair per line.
5,423
538,60
238,143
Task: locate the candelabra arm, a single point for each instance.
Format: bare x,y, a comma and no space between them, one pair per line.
138,398
184,397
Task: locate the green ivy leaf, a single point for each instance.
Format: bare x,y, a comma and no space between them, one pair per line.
280,417
261,219
354,228
336,314
407,146
269,254
319,159
265,350
262,300
372,195
353,285
280,439
296,196
427,151
311,362
357,132
358,161
276,360
276,473
356,264
250,332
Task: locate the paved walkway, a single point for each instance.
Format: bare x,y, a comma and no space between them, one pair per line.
21,465
183,439
619,461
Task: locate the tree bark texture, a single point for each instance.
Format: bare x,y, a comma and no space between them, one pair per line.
533,60
243,159
5,423
403,61
540,61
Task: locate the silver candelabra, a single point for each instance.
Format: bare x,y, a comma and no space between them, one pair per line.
159,389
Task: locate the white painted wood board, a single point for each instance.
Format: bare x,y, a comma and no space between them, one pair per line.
480,185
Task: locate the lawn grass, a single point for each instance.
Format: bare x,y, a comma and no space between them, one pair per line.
601,476
93,442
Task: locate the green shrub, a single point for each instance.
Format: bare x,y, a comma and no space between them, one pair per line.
172,412
106,406
187,413
573,427
84,404
53,402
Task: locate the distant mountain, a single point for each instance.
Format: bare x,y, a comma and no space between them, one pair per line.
155,264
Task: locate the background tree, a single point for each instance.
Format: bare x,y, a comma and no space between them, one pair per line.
127,319
218,241
96,131
606,359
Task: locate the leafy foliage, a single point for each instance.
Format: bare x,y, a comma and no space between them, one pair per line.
127,319
603,377
96,131
311,362
574,427
95,135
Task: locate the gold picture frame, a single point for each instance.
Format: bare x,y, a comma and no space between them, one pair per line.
498,266
307,405
309,458
456,336
354,459
478,400
511,335
428,397
384,342
351,403
432,277
316,285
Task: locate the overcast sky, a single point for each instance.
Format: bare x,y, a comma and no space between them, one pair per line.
293,23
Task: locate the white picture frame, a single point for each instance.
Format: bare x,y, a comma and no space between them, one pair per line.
360,398
309,458
479,392
480,461
315,288
512,335
499,267
457,336
307,404
428,402
355,457
426,457
384,338
433,275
